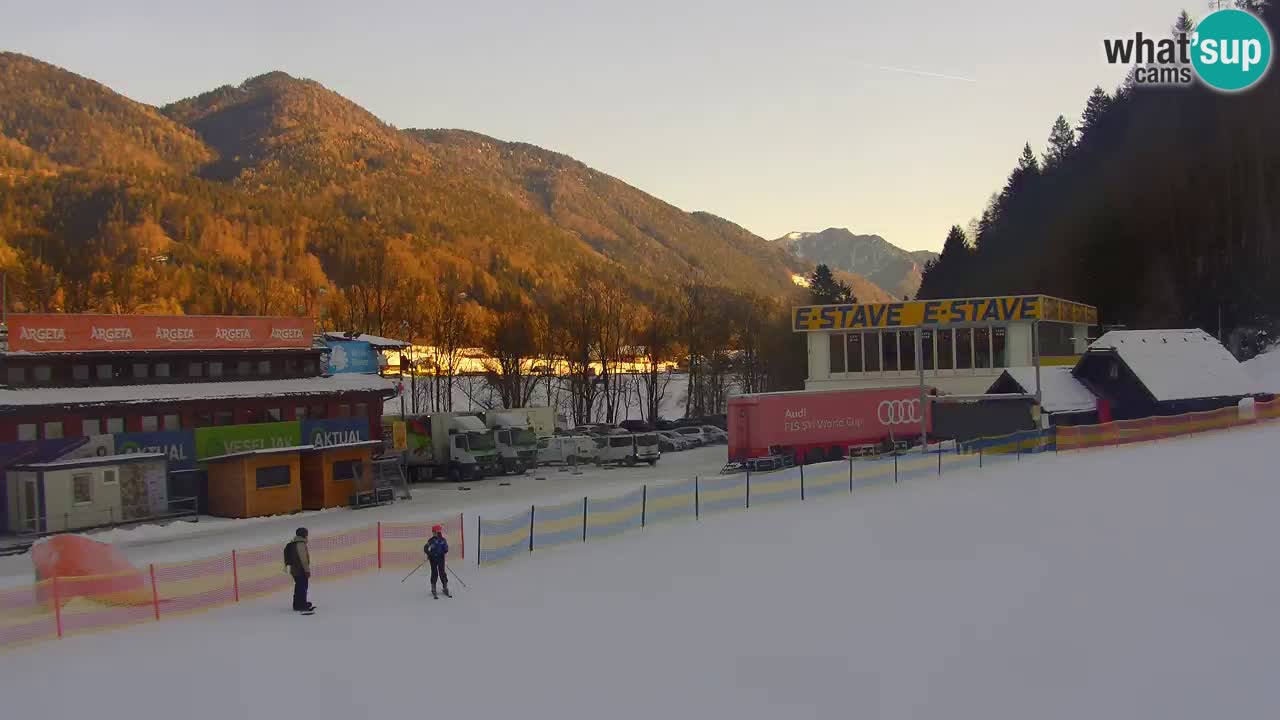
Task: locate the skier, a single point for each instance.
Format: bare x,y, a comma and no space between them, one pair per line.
298,562
436,548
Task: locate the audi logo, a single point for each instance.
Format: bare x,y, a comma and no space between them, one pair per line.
899,412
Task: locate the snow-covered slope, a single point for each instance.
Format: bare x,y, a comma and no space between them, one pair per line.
1264,370
1121,583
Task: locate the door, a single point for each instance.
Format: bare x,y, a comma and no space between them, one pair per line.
30,507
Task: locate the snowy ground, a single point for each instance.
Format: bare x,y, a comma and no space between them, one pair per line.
1265,371
495,496
1127,583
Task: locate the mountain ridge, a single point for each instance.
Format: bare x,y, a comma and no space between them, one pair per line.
898,272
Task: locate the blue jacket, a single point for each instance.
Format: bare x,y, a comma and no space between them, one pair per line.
436,547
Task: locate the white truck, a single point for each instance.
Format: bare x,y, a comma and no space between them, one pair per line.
445,445
516,441
566,449
627,448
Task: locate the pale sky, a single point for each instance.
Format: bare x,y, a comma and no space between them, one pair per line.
779,116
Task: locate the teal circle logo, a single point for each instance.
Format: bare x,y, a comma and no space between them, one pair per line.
1231,50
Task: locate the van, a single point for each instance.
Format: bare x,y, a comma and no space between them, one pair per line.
627,449
567,449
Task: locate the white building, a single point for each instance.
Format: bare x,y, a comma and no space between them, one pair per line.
964,344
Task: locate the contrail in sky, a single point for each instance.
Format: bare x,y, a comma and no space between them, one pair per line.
921,73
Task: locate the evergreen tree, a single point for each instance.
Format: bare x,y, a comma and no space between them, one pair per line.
945,276
1061,140
1095,110
825,289
1184,25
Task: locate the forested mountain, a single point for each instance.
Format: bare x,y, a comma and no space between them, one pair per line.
1161,207
889,267
280,196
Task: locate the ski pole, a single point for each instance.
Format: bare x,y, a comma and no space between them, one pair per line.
411,572
455,576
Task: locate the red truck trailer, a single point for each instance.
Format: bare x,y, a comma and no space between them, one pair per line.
817,425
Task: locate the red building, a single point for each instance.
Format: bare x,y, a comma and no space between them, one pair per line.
69,376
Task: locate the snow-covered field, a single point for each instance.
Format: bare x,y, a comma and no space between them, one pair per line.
1136,582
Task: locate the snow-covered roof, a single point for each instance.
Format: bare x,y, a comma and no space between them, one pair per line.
127,394
1264,371
380,343
1178,364
1060,391
259,451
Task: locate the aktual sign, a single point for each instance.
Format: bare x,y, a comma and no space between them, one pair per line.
178,445
339,431
81,333
815,318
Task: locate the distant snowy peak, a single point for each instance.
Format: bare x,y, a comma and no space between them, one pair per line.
795,236
881,262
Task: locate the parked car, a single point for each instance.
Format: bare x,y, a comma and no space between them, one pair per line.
636,426
695,434
715,434
677,441
628,449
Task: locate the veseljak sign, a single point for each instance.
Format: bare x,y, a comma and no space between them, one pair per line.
87,333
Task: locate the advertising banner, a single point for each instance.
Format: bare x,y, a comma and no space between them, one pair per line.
919,313
339,431
352,356
179,446
78,333
93,446
225,440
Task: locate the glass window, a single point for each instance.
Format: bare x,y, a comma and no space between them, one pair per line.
53,430
43,373
318,412
90,427
223,417
109,476
999,347
946,343
291,366
964,348
28,432
362,410
82,488
80,373
140,371
162,370
115,425
309,366
460,442
871,351
172,422
272,415
150,423
215,369
853,350
264,367
300,413
926,349
344,410
344,470
204,418
195,370
16,375
907,349
105,371
889,341
982,348
274,476
837,352
244,368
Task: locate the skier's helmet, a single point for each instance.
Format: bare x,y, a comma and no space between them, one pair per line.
437,529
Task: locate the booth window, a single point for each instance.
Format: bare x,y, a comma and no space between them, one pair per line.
264,367
244,368
854,351
907,350
172,422
162,370
27,432
150,423
871,352
195,370
16,376
837,352
215,369
115,425
999,346
140,371
109,476
344,470
43,374
53,430
889,340
82,488
982,348
105,371
964,348
926,349
274,476
90,427
946,349
80,373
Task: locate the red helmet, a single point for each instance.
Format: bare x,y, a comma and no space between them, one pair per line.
437,529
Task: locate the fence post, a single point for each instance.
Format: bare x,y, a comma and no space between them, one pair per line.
979,458
57,606
235,574
895,468
644,503
532,509
155,594
584,518
939,463
850,473
479,542
748,489
380,545
697,502
462,536
801,487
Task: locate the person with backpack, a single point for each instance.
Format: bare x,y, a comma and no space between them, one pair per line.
436,548
298,562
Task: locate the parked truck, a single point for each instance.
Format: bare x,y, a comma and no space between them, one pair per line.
452,446
818,425
516,441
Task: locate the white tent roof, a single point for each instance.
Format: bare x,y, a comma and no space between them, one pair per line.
1264,370
1060,391
1178,364
123,394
